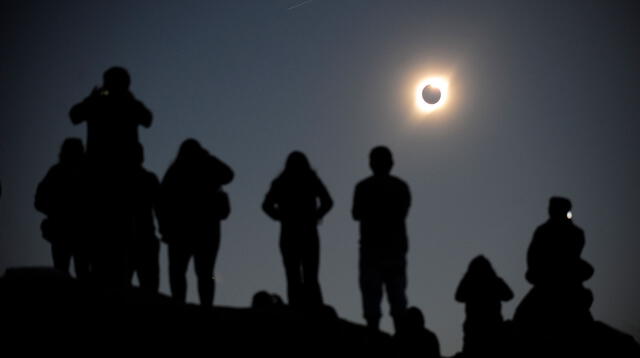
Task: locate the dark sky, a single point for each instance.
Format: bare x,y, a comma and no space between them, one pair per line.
543,101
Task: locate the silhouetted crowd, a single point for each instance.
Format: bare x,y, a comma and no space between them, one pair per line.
101,207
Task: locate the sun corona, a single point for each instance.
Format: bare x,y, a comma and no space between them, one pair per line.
431,94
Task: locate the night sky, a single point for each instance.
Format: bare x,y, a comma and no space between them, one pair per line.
544,100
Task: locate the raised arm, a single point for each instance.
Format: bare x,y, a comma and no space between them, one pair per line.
143,115
79,112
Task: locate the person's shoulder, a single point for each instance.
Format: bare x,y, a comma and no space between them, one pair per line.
545,226
431,334
316,183
577,229
127,99
541,231
398,179
221,195
211,161
399,182
56,169
368,181
277,181
172,173
277,184
139,103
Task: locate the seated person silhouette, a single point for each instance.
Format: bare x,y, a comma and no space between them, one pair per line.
557,271
112,115
144,246
412,338
381,204
299,200
190,206
61,196
482,292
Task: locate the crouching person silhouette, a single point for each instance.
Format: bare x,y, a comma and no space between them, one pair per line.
190,207
381,204
482,292
413,339
61,196
299,200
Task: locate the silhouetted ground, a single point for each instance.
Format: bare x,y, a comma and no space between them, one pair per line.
44,311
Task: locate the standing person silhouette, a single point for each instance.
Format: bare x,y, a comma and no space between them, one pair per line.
381,204
190,207
299,200
112,115
144,247
61,195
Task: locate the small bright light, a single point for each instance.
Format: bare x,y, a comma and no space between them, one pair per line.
569,215
435,82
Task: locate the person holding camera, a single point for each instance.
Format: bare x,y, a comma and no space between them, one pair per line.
112,115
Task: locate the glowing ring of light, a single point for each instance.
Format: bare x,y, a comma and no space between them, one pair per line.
437,82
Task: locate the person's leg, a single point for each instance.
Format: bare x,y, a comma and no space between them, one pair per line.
371,288
310,270
119,231
133,263
292,260
204,260
396,284
178,263
148,267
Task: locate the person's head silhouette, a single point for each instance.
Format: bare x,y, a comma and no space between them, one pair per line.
559,208
265,300
297,163
414,319
190,150
381,160
116,80
72,151
480,267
